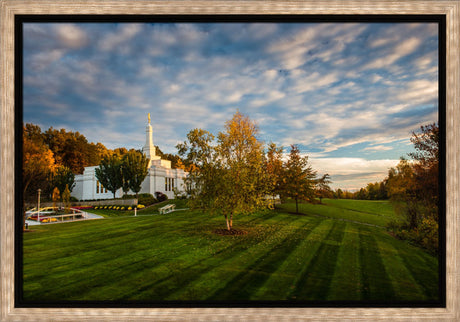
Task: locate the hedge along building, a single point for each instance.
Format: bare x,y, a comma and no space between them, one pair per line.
160,178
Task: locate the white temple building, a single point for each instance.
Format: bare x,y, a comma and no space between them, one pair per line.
160,178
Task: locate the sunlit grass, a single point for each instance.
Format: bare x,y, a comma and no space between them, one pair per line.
178,257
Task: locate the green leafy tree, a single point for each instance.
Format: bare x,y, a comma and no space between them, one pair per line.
62,177
299,178
109,173
229,177
323,190
274,169
243,185
200,155
134,169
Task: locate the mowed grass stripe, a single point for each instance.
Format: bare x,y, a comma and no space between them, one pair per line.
99,264
403,282
323,210
315,281
224,269
373,207
288,272
346,281
169,271
376,284
182,268
247,282
422,266
61,254
87,271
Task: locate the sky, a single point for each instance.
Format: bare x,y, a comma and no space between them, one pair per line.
348,94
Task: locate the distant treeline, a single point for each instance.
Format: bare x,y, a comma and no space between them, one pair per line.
373,191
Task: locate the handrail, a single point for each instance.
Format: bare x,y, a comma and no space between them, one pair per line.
38,214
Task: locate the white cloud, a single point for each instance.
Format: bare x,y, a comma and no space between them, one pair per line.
71,36
378,148
419,90
42,60
400,50
352,173
267,98
122,35
305,82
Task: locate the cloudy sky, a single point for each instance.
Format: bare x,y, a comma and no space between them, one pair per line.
348,94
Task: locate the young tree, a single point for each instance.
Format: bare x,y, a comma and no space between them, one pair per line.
299,177
242,188
339,193
323,190
200,155
134,170
56,196
228,178
274,169
66,198
62,177
109,173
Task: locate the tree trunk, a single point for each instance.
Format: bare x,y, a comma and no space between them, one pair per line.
231,220
228,224
296,205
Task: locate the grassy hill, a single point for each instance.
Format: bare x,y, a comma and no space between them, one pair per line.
333,252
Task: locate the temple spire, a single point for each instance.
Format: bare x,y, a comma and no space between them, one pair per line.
149,148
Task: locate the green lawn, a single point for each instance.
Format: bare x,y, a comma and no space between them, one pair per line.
379,212
178,257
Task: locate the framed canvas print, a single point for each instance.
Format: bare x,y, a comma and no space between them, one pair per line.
252,160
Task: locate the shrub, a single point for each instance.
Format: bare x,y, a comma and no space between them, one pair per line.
425,235
146,199
128,197
161,196
140,206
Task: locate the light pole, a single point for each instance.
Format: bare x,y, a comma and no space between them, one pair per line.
38,208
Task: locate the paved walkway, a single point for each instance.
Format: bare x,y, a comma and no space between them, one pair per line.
92,216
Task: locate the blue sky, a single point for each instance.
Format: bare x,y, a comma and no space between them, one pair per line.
348,94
